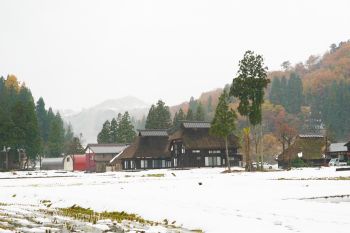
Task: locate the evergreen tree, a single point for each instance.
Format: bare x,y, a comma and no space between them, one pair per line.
210,104
43,125
294,94
159,117
249,87
276,91
193,104
190,116
284,97
114,131
224,122
200,115
126,129
104,136
151,120
179,116
56,136
75,147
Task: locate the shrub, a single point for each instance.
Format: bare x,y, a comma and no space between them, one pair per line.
298,162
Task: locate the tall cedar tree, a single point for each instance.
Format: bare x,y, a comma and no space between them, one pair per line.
200,114
249,87
56,137
104,136
224,122
190,116
114,131
126,129
159,117
179,116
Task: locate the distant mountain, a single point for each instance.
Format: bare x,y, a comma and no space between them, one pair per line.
89,121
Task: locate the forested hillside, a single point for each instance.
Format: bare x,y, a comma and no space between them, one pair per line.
309,97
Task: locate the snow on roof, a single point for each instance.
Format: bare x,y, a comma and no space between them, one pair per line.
107,148
337,147
197,124
154,133
310,136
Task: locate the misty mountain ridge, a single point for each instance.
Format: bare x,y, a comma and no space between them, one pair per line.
89,121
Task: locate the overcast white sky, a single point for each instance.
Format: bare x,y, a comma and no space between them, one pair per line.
78,53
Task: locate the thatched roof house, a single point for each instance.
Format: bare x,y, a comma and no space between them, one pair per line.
150,148
310,148
196,135
189,145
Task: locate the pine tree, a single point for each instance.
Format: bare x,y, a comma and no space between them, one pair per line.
284,96
151,120
189,115
294,94
159,117
179,116
276,92
43,125
200,115
126,129
114,131
75,147
224,122
104,136
56,136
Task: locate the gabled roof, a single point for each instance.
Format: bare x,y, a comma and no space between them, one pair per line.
337,147
198,137
107,148
147,147
310,136
196,124
153,133
312,146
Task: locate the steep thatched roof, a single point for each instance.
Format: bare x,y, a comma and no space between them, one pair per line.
156,143
147,147
196,135
312,147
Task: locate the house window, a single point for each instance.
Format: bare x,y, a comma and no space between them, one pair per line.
163,163
144,163
68,159
214,151
196,151
157,163
132,164
212,161
126,165
175,162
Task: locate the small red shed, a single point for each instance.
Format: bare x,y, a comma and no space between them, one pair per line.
83,162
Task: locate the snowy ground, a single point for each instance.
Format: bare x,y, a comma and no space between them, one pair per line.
282,201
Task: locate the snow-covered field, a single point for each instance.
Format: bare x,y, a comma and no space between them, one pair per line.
199,198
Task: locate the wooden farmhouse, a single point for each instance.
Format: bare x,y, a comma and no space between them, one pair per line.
310,148
102,154
190,145
149,150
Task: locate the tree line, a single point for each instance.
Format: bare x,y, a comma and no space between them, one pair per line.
29,126
118,130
